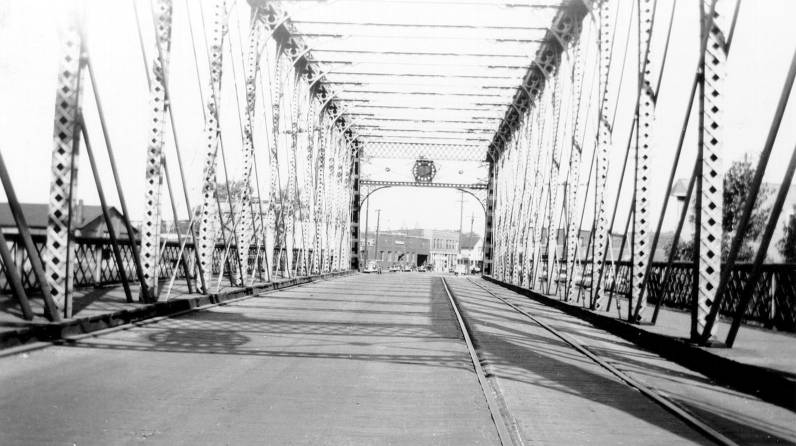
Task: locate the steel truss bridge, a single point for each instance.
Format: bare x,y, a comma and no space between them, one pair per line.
549,159
557,100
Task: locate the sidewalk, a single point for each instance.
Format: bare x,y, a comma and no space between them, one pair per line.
100,308
762,363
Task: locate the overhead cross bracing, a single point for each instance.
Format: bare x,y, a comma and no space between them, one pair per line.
380,57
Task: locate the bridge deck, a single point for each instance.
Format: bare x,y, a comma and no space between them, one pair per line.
362,359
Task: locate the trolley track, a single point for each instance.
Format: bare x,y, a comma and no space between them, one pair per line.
652,394
507,429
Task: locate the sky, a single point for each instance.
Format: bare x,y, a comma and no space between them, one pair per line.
761,52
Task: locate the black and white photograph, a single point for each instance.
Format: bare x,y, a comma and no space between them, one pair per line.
397,222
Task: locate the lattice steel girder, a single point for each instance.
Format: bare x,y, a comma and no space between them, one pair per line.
556,173
418,53
489,221
576,152
293,46
423,75
710,184
490,66
150,226
475,190
420,25
58,256
527,38
373,183
409,138
646,122
539,203
431,151
604,137
562,31
424,131
464,84
245,223
210,213
364,117
359,92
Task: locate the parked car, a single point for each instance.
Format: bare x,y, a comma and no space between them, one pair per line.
371,268
408,268
395,268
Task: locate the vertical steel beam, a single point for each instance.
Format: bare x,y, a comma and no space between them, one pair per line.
305,194
245,226
576,152
710,180
602,231
355,237
646,120
489,232
289,213
320,183
210,213
554,180
150,226
58,255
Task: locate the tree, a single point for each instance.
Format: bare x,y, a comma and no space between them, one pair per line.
737,183
235,187
787,245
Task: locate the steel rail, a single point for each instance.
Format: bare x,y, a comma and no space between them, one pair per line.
507,429
667,403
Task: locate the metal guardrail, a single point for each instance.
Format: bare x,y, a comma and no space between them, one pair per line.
96,266
773,303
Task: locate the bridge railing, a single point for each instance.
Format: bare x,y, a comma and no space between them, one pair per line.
95,265
773,303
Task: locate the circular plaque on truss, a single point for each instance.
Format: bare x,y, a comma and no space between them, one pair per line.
424,170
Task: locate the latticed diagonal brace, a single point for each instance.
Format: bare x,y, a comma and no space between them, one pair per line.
710,183
210,214
646,121
601,233
150,226
58,255
243,205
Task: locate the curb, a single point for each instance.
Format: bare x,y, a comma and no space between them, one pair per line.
774,386
49,332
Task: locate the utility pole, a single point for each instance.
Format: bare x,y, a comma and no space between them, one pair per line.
376,249
461,217
367,248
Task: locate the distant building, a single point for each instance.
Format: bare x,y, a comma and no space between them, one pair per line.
472,252
87,221
429,247
443,247
395,247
